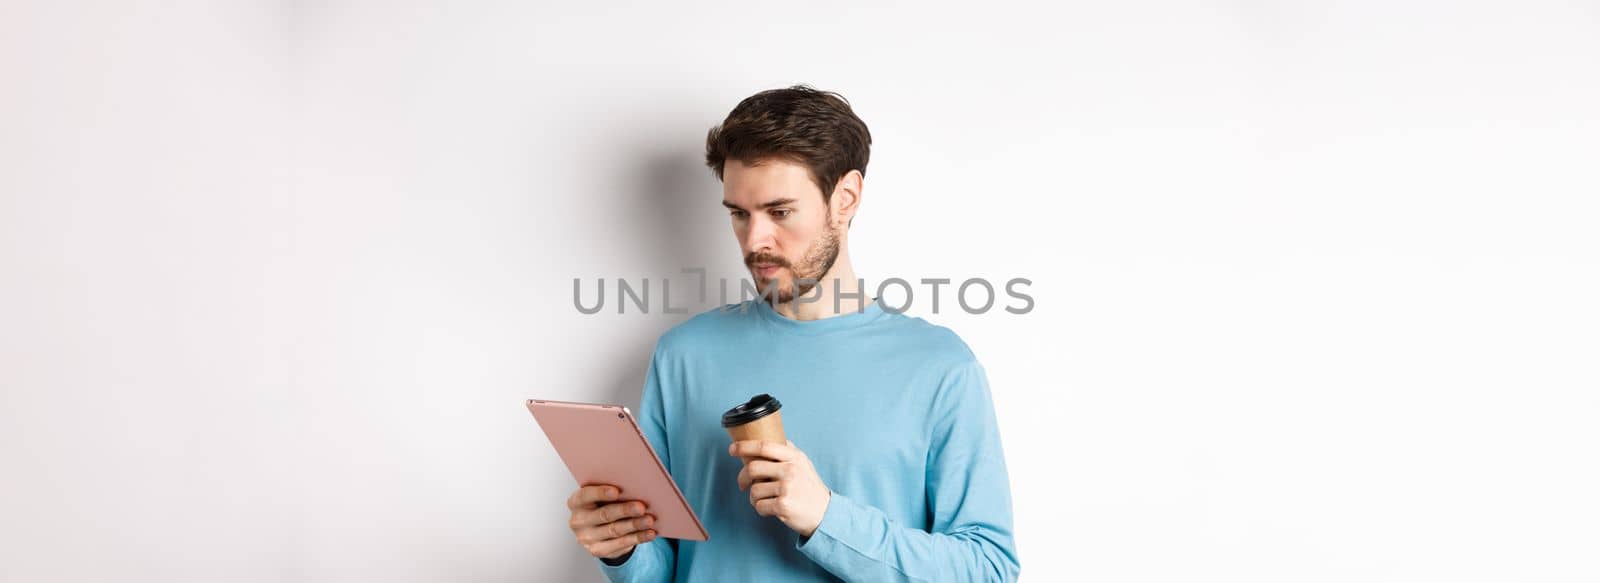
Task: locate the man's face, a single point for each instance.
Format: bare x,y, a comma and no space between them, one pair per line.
784,228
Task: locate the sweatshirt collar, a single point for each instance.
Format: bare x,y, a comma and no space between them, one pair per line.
850,318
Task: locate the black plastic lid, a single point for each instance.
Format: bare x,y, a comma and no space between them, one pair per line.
757,407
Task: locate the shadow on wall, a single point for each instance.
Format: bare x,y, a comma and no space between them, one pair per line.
679,223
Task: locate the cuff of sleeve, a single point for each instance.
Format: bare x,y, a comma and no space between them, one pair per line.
617,561
636,561
829,538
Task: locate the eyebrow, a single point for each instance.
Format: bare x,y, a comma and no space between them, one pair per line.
765,205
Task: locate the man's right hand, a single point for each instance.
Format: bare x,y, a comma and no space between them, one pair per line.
606,527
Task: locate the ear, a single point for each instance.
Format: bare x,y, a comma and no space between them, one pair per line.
846,199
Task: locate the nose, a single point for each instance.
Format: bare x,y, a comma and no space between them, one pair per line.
758,235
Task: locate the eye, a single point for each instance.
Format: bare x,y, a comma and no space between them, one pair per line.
737,214
781,213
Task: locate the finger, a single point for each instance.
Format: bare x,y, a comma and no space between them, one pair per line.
746,477
623,527
771,450
761,470
588,496
608,513
764,490
620,510
767,507
619,528
617,545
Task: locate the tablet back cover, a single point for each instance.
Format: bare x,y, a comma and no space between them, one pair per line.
601,444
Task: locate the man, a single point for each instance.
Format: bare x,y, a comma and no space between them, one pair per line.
893,470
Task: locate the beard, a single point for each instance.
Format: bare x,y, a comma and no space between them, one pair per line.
815,263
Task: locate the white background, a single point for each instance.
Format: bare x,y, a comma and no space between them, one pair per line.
1315,281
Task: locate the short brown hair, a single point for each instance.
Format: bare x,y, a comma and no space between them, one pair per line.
813,128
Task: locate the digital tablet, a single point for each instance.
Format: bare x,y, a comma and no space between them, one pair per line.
602,444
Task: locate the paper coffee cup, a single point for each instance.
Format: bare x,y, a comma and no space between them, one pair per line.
757,419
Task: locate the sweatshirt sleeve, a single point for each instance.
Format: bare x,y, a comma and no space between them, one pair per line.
969,501
654,561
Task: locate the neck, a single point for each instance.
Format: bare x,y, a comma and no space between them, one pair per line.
841,278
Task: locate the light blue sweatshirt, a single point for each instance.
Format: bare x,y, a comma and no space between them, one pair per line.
894,413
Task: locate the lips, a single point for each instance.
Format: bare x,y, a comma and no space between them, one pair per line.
765,270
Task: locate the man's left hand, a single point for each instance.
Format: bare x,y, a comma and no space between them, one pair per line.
782,483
